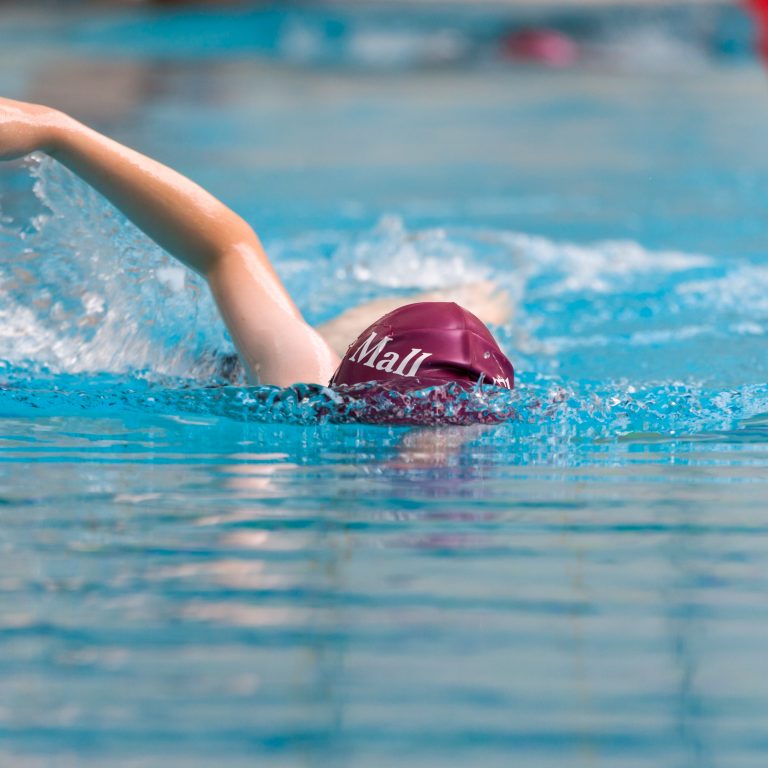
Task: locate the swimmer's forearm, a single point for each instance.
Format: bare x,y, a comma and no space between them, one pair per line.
179,215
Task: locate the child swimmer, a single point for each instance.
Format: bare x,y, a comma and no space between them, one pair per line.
411,347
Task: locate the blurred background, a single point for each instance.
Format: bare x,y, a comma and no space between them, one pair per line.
64,38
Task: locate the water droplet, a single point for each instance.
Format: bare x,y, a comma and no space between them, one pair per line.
486,355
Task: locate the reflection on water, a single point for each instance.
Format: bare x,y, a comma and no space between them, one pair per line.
416,592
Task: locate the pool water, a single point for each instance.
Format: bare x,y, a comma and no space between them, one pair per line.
196,574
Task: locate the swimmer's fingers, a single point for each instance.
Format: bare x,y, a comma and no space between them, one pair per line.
25,128
497,308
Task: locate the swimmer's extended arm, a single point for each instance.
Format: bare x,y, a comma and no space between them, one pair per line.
276,344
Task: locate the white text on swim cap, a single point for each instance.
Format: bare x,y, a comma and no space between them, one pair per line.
389,359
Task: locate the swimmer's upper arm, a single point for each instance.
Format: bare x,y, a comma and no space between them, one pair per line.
275,343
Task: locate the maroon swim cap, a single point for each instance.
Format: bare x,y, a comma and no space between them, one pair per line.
426,344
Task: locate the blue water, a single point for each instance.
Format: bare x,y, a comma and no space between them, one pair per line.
196,573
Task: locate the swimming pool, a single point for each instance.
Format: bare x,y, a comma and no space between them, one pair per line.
190,579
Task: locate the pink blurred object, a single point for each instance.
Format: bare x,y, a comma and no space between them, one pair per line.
547,46
759,9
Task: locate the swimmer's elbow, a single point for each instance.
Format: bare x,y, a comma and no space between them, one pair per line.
231,241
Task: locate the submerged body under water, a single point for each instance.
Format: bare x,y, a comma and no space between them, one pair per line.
194,571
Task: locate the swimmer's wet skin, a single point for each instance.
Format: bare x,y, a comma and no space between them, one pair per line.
420,345
195,228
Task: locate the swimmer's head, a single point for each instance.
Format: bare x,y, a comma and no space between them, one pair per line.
423,345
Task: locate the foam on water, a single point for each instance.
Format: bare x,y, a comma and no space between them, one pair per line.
84,291
87,298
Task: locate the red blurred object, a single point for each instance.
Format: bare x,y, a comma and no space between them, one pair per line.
547,46
759,9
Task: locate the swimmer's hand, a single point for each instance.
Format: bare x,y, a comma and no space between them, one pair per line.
483,298
26,128
275,343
